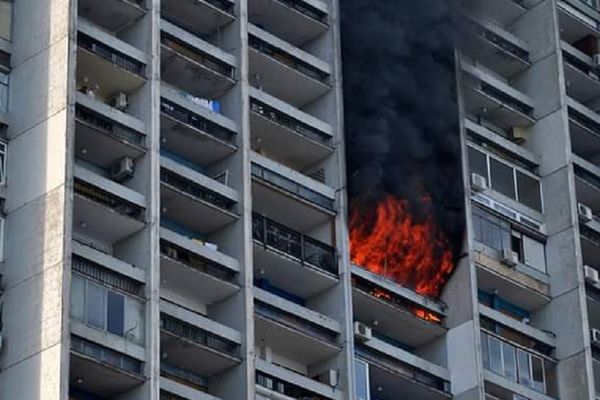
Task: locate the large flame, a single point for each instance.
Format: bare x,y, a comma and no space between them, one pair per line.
387,241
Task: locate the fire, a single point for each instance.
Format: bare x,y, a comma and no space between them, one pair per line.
387,241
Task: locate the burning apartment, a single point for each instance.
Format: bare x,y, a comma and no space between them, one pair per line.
299,199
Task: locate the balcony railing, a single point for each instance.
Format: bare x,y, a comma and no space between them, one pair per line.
305,9
292,321
105,355
183,376
290,186
283,387
202,124
501,42
306,250
108,199
195,190
108,126
196,262
101,274
287,59
197,335
291,123
584,120
581,66
505,98
106,52
212,63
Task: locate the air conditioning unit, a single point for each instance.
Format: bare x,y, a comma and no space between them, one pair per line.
362,332
510,257
122,170
120,101
518,134
595,337
329,378
591,275
478,183
585,213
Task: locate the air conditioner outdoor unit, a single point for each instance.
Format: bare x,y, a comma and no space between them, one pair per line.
478,182
362,332
329,377
120,101
510,257
591,275
595,336
123,169
585,213
518,134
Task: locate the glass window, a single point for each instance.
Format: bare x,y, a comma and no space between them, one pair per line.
502,178
510,362
523,365
529,191
3,91
6,19
485,351
78,298
115,319
534,254
537,373
361,370
495,348
95,305
478,162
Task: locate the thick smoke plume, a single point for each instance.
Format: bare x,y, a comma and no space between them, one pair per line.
401,113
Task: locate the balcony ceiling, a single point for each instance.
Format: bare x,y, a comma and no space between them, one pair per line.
113,15
196,16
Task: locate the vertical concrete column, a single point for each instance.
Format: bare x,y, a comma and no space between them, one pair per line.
36,279
565,315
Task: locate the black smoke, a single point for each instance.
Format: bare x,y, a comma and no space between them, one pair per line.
400,107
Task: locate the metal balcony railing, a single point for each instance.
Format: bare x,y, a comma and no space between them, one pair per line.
183,376
290,186
195,190
306,250
105,355
287,59
305,9
196,262
285,388
109,54
197,335
108,199
210,62
289,122
202,124
101,123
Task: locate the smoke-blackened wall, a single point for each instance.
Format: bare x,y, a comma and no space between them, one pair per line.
401,114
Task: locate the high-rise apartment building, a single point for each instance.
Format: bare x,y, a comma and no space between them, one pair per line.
175,226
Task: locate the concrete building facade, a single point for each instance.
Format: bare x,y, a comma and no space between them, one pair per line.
174,219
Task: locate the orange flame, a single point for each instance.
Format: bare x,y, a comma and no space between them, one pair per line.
387,241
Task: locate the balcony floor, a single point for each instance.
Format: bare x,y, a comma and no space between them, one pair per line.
183,72
102,222
284,22
194,357
113,15
99,378
284,82
196,16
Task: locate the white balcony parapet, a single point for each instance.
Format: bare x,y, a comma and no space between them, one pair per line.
110,186
108,261
108,340
112,113
184,391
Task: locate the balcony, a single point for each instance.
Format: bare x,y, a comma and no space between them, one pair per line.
295,21
273,61
381,302
574,24
499,49
286,256
198,346
582,78
194,271
297,138
584,128
280,322
494,100
108,261
185,192
277,190
102,371
112,15
193,132
177,384
194,65
504,12
102,215
276,382
102,138
201,17
107,65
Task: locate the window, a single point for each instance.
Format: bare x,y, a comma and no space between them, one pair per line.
361,371
3,148
507,179
106,309
6,19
